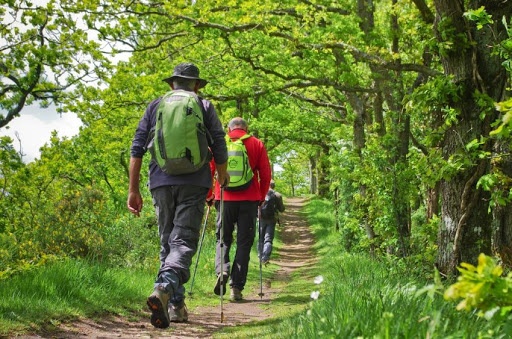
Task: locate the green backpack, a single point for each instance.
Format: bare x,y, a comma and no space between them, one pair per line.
180,141
239,169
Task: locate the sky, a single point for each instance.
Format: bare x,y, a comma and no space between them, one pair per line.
34,127
35,124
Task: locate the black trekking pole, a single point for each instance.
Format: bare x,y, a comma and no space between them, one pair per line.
260,244
221,239
199,250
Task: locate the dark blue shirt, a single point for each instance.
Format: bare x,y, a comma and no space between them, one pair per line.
200,178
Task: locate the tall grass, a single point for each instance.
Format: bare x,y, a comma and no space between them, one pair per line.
361,297
66,289
115,282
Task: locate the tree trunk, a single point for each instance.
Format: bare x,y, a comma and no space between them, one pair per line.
465,229
323,168
337,226
359,144
495,78
502,217
400,198
433,201
313,175
292,182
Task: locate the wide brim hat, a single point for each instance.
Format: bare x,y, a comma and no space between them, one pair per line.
186,70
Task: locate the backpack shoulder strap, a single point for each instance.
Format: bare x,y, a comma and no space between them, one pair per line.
243,137
199,101
163,98
184,93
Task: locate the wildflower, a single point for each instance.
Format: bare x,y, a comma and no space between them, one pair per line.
318,279
315,295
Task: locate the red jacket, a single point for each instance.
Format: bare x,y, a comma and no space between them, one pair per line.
258,159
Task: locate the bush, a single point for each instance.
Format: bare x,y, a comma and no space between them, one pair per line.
482,288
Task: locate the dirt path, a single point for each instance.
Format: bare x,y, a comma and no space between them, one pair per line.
205,321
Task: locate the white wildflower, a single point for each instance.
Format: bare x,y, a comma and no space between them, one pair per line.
315,295
490,313
319,279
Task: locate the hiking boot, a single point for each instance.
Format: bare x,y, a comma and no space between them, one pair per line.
236,294
265,261
157,303
216,289
178,313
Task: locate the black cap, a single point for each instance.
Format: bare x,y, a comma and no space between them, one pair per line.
186,70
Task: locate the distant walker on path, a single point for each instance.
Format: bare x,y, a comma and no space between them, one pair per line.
270,209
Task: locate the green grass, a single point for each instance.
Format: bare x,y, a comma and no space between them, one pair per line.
44,296
359,297
66,289
365,298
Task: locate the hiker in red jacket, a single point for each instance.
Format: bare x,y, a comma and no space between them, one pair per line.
240,209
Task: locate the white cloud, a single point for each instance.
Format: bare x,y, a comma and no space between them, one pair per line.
34,127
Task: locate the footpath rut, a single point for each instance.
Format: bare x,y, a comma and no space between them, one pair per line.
295,253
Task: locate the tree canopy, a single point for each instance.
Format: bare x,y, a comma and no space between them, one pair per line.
388,107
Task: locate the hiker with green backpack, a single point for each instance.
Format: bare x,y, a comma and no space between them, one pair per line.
182,132
249,172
